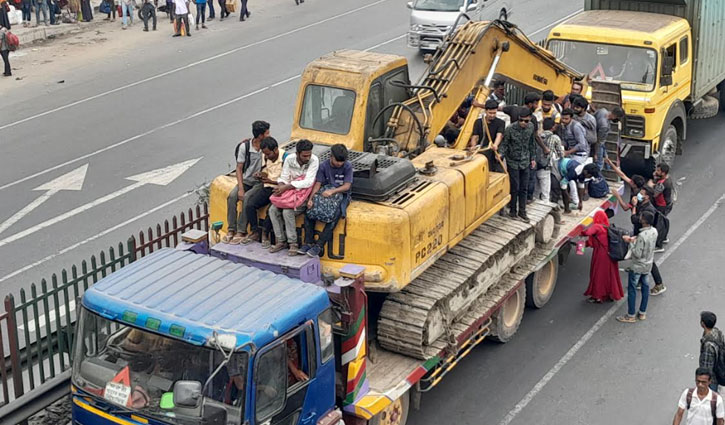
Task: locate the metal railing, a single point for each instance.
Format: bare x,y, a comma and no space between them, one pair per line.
36,334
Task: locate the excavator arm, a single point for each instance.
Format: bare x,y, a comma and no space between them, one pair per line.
465,64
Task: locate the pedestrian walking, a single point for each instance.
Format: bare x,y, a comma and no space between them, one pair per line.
112,9
5,51
517,147
223,11
200,13
212,13
148,11
244,13
642,248
126,13
181,14
4,18
712,348
604,281
297,2
700,405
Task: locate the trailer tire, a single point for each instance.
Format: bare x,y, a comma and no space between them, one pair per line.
540,285
395,414
708,108
507,318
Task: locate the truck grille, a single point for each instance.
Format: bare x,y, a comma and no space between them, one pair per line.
634,126
432,29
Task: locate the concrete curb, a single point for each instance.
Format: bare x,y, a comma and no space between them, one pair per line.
30,35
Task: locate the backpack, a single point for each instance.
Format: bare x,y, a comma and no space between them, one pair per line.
617,246
247,143
12,40
324,209
598,187
713,404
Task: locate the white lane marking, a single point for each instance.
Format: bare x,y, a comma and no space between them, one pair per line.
94,237
161,177
385,42
51,313
163,127
69,181
191,65
557,22
607,316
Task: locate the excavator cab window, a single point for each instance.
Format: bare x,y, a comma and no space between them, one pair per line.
388,88
327,109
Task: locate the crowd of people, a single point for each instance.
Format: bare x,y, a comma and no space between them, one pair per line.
291,184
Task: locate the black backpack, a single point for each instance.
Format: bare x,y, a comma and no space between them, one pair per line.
617,246
247,143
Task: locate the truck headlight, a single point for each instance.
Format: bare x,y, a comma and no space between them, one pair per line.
416,27
636,133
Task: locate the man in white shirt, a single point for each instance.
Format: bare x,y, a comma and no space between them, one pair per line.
181,11
299,172
700,403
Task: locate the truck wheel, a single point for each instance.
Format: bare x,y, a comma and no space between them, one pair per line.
668,146
540,284
708,108
507,319
395,414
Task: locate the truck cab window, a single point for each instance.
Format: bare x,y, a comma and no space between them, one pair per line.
671,52
271,382
683,50
327,109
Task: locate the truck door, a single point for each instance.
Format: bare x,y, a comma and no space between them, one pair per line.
285,372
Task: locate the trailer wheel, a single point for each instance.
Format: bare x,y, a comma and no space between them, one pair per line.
540,284
507,318
708,108
395,414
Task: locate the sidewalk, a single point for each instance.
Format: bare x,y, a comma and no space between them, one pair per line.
30,35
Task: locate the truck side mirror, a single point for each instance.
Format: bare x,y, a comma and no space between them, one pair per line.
410,5
472,6
187,393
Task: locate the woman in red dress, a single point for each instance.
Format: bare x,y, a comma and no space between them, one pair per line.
604,281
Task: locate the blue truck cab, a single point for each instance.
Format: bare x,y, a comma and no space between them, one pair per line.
180,337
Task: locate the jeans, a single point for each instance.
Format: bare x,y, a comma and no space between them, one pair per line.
6,59
211,8
51,11
543,185
236,222
223,12
40,6
257,199
632,293
243,12
601,152
519,181
284,224
148,10
656,274
27,7
200,12
127,10
325,236
531,185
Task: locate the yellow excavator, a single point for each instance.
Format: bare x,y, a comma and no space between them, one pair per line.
423,218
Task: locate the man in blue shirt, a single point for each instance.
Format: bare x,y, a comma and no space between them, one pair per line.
330,197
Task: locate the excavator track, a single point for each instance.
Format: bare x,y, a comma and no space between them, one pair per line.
424,316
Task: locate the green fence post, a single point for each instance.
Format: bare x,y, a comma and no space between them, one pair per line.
17,371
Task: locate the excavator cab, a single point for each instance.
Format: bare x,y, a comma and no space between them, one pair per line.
342,95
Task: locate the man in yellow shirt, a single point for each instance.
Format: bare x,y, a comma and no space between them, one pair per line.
269,174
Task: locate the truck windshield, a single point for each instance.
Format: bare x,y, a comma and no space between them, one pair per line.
134,368
634,67
327,109
439,5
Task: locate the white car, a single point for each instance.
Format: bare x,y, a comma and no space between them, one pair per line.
430,20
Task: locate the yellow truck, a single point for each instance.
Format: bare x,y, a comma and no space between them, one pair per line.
667,55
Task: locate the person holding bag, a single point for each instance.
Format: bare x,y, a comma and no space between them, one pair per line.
289,198
330,200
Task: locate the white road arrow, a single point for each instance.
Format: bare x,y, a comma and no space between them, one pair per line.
161,177
70,181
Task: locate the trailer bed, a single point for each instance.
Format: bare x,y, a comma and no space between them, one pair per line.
390,374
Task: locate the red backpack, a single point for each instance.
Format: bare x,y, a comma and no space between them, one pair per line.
12,40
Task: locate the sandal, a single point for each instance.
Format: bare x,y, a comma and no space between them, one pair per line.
626,319
642,316
228,237
237,239
594,301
